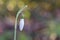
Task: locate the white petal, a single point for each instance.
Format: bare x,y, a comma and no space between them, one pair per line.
21,24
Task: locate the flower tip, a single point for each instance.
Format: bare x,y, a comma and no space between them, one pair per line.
21,29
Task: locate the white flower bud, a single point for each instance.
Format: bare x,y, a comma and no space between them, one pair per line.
21,24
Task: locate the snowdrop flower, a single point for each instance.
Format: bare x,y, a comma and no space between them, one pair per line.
21,24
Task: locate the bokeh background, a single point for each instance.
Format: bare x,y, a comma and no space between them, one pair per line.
42,19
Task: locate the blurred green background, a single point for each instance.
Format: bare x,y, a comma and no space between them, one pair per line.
42,19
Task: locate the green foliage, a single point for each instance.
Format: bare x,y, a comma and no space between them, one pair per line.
27,14
23,36
6,35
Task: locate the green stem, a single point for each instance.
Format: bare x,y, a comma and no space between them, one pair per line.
15,28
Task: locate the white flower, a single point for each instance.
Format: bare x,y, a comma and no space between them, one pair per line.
21,24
